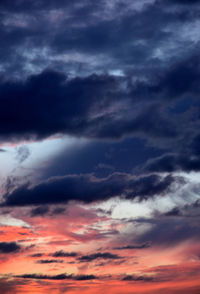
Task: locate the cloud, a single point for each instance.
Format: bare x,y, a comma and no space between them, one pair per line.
175,230
137,278
2,150
123,77
8,286
44,210
173,212
57,277
90,37
46,261
87,188
171,162
104,255
188,210
9,247
141,246
36,255
23,153
79,109
183,2
85,277
40,211
62,253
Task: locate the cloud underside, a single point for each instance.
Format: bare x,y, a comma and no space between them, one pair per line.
99,106
87,189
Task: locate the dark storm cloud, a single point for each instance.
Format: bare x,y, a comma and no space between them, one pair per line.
62,253
111,72
99,106
92,107
101,255
155,99
9,247
22,5
74,105
187,2
188,158
174,162
181,79
57,277
87,188
35,35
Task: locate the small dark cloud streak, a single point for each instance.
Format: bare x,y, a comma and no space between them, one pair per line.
102,255
58,277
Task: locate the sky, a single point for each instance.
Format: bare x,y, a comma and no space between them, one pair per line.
99,146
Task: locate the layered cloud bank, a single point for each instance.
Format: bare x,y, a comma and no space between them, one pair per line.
100,146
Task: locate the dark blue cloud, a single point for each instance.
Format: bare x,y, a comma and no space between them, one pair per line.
106,37
9,247
87,188
169,230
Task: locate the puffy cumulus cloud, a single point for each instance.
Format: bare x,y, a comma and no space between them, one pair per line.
87,188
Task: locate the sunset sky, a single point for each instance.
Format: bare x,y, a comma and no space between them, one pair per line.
99,146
